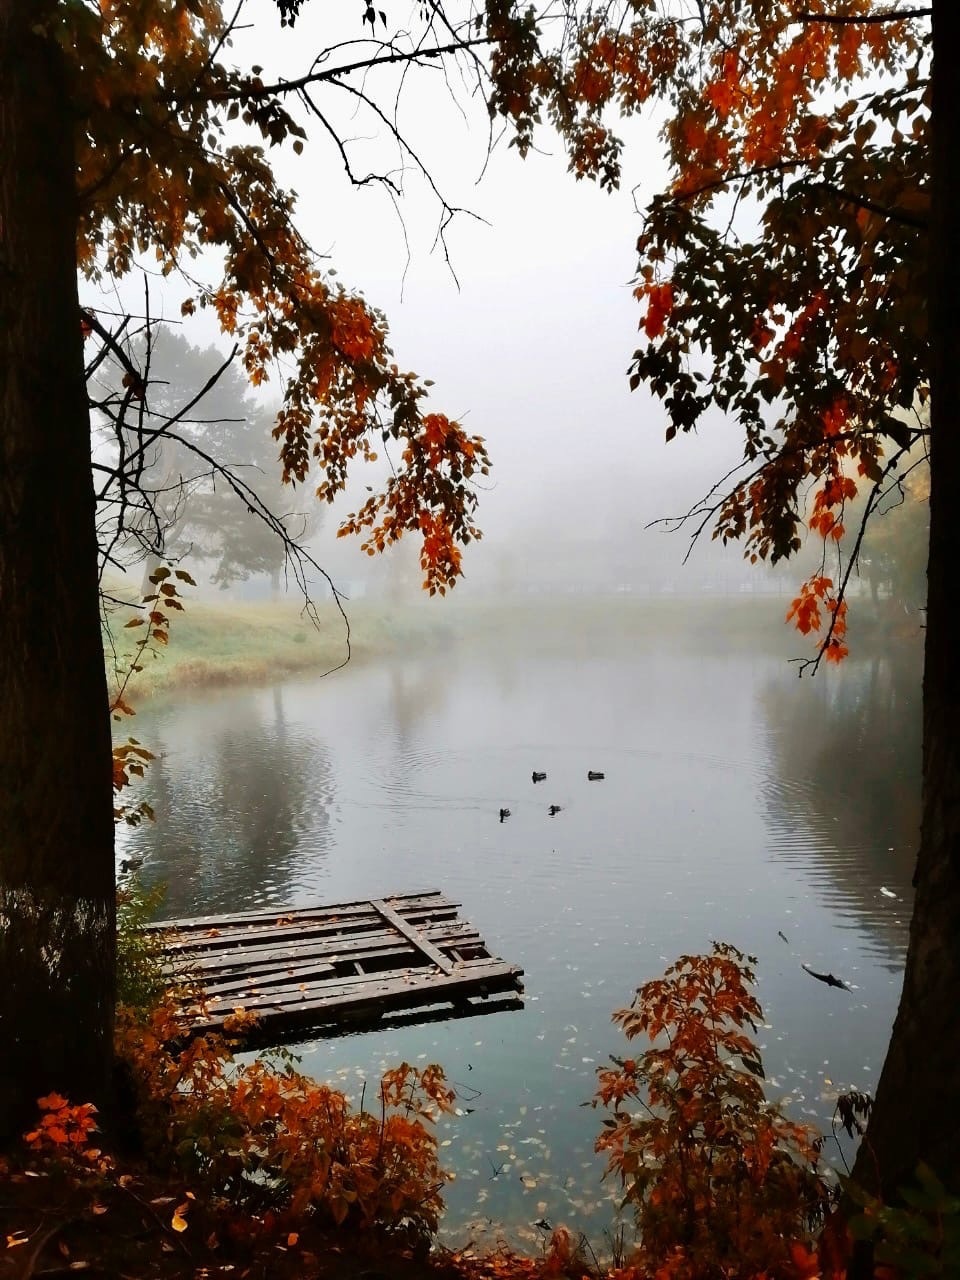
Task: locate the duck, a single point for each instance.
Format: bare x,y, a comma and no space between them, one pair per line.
504,813
554,809
593,775
539,777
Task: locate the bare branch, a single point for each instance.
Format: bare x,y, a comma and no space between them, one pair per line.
255,92
128,509
837,19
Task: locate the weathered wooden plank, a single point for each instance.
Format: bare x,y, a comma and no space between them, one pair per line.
306,971
390,963
484,974
332,951
425,899
285,1009
226,937
373,946
414,935
334,965
355,1021
265,1000
221,988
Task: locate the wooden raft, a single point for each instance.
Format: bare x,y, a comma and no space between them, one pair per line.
339,968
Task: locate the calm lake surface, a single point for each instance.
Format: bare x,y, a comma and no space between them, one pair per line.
739,803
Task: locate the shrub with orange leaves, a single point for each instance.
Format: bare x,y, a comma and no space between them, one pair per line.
257,1133
723,1184
64,1130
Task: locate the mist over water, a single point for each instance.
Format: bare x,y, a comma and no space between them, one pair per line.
739,803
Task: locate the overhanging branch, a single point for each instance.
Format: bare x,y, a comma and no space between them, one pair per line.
842,19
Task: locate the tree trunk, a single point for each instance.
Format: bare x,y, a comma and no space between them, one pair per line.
57,914
915,1115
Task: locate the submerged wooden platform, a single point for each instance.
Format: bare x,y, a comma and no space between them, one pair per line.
340,968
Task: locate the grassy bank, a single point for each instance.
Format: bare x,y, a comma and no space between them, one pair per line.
214,644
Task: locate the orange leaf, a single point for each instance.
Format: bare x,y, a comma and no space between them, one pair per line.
52,1102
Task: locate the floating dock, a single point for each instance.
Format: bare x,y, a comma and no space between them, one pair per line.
327,970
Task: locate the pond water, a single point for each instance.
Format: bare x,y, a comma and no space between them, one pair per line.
738,803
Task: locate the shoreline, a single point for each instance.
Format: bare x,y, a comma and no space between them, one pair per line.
234,644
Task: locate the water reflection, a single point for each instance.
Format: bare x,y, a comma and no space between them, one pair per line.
237,789
848,756
738,803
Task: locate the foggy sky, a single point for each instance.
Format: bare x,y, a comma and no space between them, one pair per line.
530,344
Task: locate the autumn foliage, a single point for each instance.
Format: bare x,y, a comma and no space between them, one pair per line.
260,1135
254,1147
722,1183
172,163
63,1128
782,275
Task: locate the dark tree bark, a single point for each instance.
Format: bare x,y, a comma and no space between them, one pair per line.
57,915
915,1114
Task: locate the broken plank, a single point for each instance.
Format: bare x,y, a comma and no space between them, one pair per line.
332,965
419,940
447,935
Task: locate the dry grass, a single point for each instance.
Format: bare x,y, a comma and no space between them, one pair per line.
213,644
